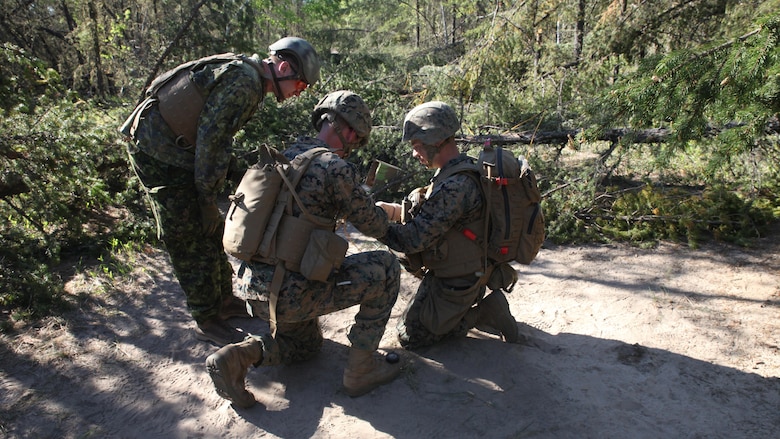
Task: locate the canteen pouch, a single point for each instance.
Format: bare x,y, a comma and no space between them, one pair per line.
503,278
324,252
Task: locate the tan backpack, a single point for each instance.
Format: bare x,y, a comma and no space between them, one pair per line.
260,200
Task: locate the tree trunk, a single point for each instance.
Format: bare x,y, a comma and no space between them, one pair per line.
580,31
93,16
182,30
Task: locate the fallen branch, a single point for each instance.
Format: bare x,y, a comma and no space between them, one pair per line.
562,137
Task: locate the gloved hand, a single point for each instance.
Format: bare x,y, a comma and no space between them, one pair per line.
393,210
210,218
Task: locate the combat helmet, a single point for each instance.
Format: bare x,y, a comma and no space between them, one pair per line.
430,123
350,107
304,55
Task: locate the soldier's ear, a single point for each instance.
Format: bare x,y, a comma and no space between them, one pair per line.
285,68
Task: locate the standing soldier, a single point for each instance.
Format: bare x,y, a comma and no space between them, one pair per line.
329,190
449,300
181,151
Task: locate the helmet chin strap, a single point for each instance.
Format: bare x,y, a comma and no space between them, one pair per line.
276,81
347,147
277,89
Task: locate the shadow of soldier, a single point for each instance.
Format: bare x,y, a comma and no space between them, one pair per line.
568,386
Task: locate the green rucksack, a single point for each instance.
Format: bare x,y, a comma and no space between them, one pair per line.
515,222
514,206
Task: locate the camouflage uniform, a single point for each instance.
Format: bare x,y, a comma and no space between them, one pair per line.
440,304
329,189
178,180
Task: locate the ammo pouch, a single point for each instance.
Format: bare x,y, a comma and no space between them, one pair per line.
309,249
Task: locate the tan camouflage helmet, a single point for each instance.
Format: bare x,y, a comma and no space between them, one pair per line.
350,107
430,123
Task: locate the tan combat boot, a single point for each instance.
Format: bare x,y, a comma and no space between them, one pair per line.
365,372
493,312
228,367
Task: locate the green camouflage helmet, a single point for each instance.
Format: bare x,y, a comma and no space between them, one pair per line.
430,123
304,55
350,107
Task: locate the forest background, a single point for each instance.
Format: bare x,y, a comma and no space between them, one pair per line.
644,121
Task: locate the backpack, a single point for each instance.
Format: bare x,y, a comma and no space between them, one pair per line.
513,203
260,200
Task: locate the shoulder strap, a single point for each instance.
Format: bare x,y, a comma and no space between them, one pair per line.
299,166
163,79
474,171
252,63
462,167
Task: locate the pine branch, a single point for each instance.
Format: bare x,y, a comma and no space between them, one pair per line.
562,137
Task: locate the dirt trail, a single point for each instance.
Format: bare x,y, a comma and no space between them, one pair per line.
668,342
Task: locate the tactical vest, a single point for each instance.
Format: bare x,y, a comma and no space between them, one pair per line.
179,100
458,252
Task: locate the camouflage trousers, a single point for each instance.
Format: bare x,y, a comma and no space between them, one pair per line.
199,262
438,311
370,279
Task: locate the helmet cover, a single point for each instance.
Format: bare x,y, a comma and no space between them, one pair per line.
350,107
430,123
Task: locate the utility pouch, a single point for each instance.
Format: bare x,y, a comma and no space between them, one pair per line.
324,252
503,278
413,263
180,105
291,241
446,306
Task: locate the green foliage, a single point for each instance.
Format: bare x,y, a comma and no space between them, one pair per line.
19,72
658,213
689,91
64,187
708,70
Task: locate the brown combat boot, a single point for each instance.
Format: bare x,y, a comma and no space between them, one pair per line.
493,312
365,372
218,332
233,307
228,367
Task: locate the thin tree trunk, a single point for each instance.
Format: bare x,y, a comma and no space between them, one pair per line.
580,31
174,42
417,24
93,16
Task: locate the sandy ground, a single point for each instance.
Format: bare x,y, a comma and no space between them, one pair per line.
624,343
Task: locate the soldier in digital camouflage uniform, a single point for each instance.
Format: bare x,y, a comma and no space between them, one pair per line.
329,189
449,300
183,177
